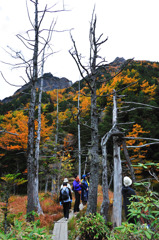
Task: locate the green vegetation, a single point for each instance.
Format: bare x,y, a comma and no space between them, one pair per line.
92,227
25,230
142,78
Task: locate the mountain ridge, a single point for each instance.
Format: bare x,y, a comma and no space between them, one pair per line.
50,83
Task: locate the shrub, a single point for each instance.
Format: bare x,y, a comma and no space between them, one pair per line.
146,210
25,230
91,227
131,231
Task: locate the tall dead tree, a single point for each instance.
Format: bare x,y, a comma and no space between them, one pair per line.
32,71
31,126
37,145
117,201
89,74
35,41
79,133
118,140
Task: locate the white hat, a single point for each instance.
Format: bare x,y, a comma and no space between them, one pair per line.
65,180
127,181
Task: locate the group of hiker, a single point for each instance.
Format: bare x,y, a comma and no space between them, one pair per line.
80,189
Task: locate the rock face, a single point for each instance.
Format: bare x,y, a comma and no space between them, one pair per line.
49,83
118,61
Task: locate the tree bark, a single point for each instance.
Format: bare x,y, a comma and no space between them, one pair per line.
30,155
91,72
117,204
105,203
105,186
31,127
37,149
79,134
94,165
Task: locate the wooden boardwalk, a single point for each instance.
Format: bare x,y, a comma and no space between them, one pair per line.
60,231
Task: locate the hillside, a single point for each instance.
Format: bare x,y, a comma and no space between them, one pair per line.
142,77
50,82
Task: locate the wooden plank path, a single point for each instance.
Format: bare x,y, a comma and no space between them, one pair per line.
60,231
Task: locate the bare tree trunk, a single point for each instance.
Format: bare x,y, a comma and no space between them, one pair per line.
117,204
30,155
57,121
105,187
105,203
79,135
56,147
91,80
37,146
31,127
94,166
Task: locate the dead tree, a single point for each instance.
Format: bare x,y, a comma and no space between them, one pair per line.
118,140
31,127
32,66
89,74
117,202
37,144
105,187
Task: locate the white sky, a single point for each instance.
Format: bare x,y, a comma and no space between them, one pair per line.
132,27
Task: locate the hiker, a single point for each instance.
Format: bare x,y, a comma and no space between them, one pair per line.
84,193
77,191
68,185
128,192
65,199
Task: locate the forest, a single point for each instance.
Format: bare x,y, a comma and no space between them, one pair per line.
143,118
106,125
143,121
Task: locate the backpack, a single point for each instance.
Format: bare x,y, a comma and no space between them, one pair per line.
65,194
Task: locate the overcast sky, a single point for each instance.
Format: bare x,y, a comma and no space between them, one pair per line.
132,28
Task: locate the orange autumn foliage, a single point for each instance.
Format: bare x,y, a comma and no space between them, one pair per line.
53,95
17,123
52,210
137,154
108,87
147,89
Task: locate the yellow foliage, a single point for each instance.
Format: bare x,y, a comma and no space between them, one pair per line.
85,104
137,154
149,90
53,95
16,122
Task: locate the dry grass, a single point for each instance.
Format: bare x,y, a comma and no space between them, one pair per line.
52,210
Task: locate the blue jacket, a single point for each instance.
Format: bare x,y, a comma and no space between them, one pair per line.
76,186
84,184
